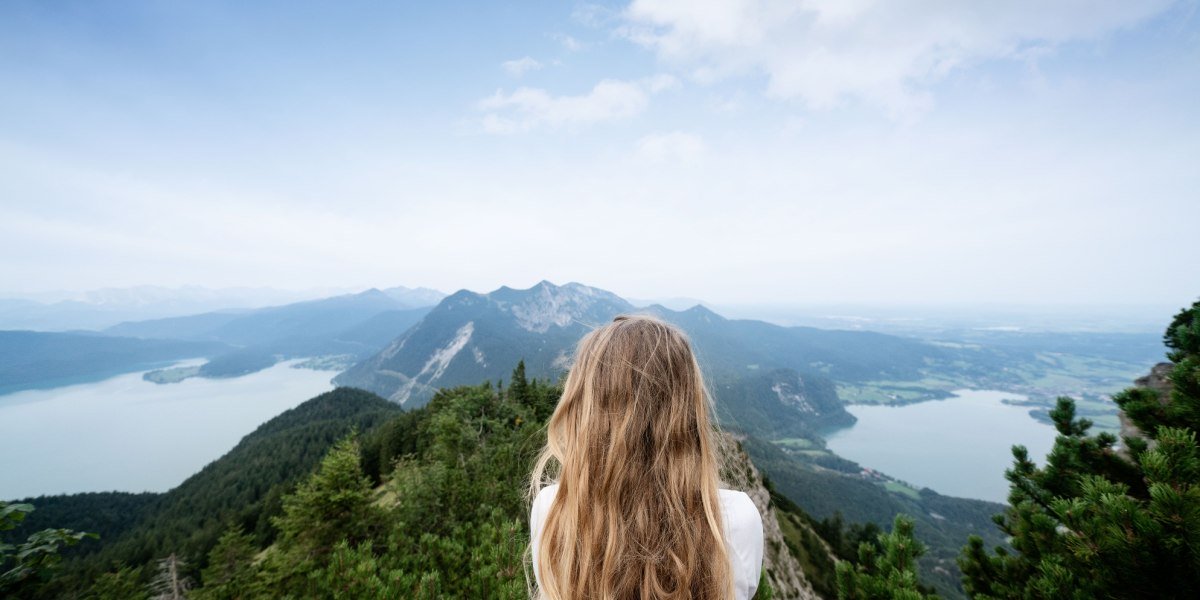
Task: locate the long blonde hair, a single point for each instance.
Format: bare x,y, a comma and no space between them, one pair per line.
636,513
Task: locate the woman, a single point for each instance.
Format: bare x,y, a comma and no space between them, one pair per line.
636,510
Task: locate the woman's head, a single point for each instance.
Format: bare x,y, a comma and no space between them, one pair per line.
636,514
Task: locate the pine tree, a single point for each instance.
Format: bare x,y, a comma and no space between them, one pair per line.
1099,523
121,584
230,571
518,388
887,571
331,505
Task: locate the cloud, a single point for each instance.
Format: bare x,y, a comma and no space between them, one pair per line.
518,67
594,15
528,108
672,146
568,42
884,52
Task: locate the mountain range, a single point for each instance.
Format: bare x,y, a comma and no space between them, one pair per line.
95,310
236,341
765,377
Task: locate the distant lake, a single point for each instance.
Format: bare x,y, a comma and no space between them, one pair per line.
131,435
958,447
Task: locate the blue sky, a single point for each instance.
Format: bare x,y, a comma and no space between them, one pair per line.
813,152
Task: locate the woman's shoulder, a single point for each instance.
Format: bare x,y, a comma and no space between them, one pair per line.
541,502
743,523
545,494
740,507
744,534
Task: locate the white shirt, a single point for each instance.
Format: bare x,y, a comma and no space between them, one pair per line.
743,536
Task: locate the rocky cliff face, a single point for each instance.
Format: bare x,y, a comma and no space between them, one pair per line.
1159,380
784,572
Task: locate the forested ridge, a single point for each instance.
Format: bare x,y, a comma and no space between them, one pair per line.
244,487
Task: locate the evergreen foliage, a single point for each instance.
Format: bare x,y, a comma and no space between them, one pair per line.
449,519
230,571
30,561
245,488
123,583
886,570
1097,523
107,514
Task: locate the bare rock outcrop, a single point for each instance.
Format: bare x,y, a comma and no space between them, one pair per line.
784,572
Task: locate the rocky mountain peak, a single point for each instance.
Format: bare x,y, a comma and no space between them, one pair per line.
547,305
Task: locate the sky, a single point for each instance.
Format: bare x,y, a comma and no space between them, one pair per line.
739,151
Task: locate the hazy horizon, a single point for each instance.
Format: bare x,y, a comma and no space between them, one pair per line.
882,316
738,152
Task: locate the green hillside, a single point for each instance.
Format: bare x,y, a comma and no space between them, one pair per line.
243,487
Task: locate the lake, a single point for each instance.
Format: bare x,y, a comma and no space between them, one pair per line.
131,435
958,447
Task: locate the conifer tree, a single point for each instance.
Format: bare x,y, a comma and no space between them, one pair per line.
230,571
887,571
1099,523
332,504
123,583
518,388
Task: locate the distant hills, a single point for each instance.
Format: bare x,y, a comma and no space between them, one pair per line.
236,342
98,309
34,359
348,324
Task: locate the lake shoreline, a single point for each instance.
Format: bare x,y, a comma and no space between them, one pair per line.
959,446
127,434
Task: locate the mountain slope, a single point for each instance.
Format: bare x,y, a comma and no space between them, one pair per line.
736,346
243,487
34,359
779,404
356,325
943,522
311,320
470,337
780,561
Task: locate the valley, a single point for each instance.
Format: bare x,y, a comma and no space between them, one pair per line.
848,425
